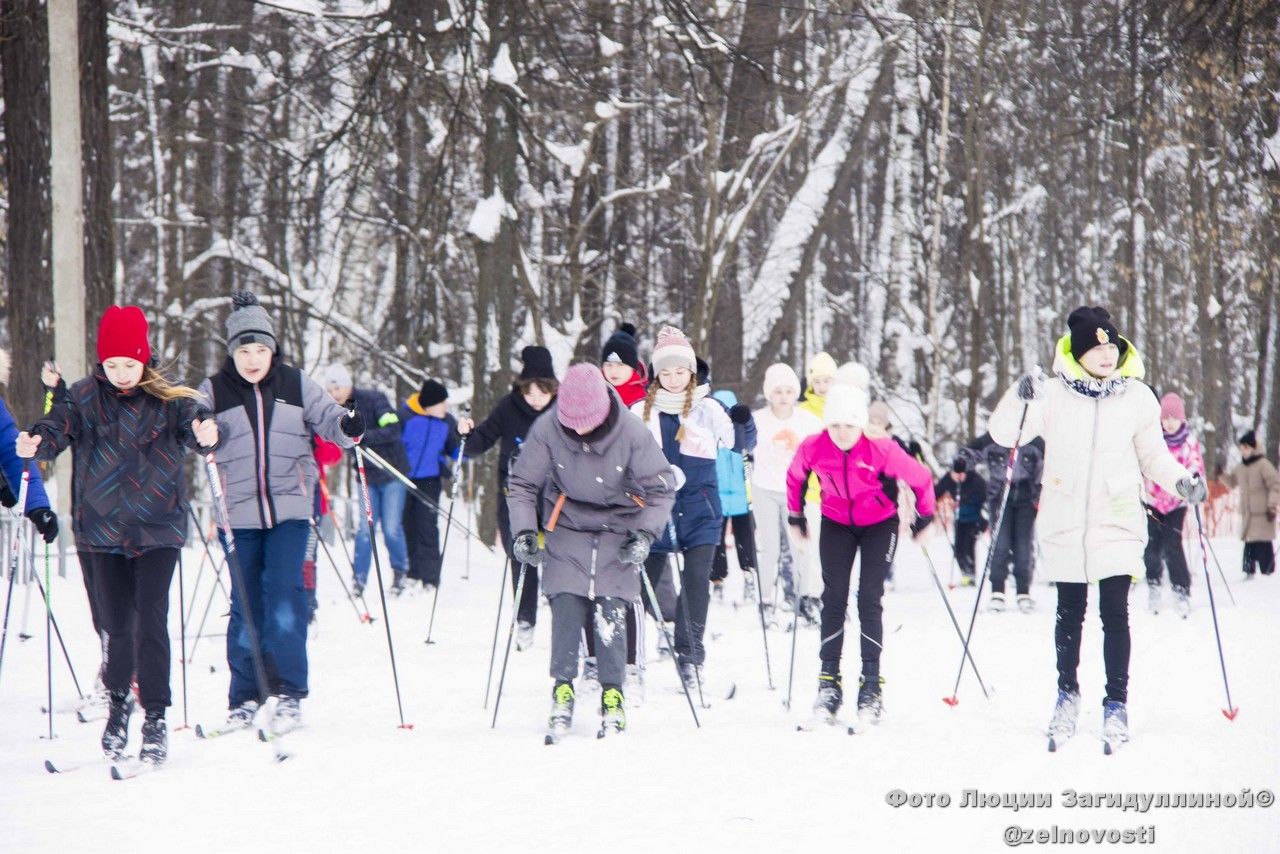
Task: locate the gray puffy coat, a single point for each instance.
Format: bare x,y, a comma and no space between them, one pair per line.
264,457
617,482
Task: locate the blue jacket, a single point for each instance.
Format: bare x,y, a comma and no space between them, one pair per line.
696,517
11,464
429,443
731,473
381,433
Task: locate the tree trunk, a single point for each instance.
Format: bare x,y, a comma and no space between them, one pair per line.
99,178
24,65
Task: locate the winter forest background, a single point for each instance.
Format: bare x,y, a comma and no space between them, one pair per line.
428,185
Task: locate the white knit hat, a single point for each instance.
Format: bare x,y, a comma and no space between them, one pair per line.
821,366
854,374
673,350
780,374
845,405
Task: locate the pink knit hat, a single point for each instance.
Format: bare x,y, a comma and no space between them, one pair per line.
1171,406
673,350
583,400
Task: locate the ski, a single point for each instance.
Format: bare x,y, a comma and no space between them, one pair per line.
277,740
130,767
609,730
98,713
218,732
817,720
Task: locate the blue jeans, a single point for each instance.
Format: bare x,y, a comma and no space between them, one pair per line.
271,565
388,511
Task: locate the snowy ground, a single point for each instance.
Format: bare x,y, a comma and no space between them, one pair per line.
747,781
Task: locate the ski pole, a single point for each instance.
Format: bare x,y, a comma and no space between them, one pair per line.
1218,563
995,538
363,618
15,550
207,555
182,620
223,518
795,630
747,465
1230,711
511,633
662,626
497,621
448,526
418,494
48,640
57,632
377,568
683,602
954,622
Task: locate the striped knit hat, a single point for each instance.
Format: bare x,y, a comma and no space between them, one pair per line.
673,350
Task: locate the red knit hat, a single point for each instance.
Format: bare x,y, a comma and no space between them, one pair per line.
122,333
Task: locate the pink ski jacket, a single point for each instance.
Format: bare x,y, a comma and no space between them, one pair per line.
850,480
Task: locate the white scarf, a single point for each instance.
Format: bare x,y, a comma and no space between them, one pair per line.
672,402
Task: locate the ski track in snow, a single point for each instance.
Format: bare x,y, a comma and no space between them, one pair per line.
747,781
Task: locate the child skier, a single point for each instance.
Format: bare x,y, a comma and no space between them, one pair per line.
267,411
1259,503
605,491
857,516
621,365
387,493
781,427
129,427
508,425
690,429
431,442
1166,512
821,374
1013,545
1101,430
969,490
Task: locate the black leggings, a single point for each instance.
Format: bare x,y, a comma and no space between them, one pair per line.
1164,547
1113,607
691,605
1259,553
837,546
744,540
133,603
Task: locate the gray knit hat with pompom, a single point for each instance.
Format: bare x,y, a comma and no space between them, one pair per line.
248,323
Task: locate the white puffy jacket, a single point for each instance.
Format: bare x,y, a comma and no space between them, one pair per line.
1097,450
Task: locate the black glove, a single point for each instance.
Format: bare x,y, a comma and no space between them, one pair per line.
740,413
352,424
1030,387
635,547
801,524
1193,489
920,524
7,498
525,548
46,522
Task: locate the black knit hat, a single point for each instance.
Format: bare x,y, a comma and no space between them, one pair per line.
537,364
1250,439
1091,326
432,393
622,347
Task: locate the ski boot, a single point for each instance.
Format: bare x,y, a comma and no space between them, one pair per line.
997,603
966,580
830,698
357,587
287,716
524,635
1025,603
1182,601
561,711
241,717
689,676
155,739
397,584
810,610
115,736
870,701
717,591
1115,725
1063,723
1153,597
614,718
748,587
